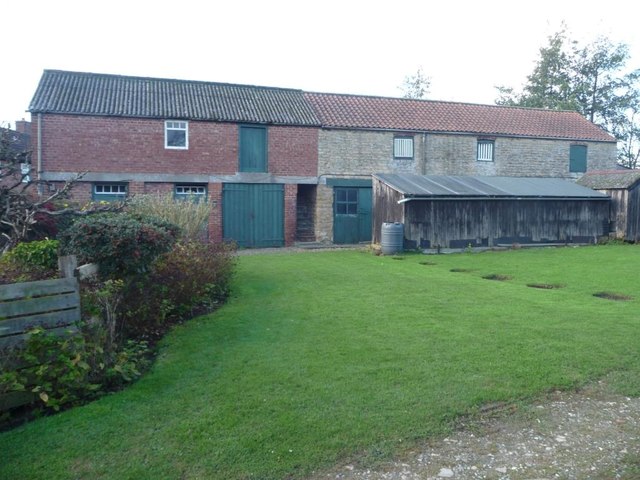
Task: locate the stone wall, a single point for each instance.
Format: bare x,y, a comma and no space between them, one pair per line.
358,153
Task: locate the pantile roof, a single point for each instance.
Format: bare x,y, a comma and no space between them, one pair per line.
115,95
367,112
479,187
610,179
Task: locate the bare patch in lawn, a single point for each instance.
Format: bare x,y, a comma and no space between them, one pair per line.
613,296
545,286
461,270
428,263
497,276
397,258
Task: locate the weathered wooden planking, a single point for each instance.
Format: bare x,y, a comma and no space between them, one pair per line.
15,291
33,306
47,321
10,342
15,399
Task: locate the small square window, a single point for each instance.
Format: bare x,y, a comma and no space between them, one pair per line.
485,150
403,147
176,134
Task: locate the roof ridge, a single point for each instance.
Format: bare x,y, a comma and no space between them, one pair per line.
448,102
173,80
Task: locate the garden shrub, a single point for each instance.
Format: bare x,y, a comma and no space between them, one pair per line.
41,253
191,279
121,244
191,215
67,371
30,261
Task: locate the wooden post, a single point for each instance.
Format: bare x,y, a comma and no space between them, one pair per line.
67,265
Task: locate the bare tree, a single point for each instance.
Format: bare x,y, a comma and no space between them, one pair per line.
416,86
21,205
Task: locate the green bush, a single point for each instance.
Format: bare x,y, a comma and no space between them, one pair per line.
191,216
66,371
190,279
14,271
41,253
121,244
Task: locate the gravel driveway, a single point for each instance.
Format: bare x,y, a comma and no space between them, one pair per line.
591,434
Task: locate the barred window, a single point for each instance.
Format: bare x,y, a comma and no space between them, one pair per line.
485,150
403,147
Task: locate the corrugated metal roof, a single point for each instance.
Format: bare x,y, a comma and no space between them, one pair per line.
115,95
447,186
368,112
610,179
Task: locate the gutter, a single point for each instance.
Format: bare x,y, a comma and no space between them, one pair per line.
39,153
410,199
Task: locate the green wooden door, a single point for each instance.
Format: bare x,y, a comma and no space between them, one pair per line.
253,214
253,149
578,158
351,214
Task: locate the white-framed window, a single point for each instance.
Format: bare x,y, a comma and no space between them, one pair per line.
403,147
109,192
485,150
176,134
192,192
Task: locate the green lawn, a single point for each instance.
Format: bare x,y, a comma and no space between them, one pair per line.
329,357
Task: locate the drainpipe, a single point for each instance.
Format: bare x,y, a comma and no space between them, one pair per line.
39,153
424,153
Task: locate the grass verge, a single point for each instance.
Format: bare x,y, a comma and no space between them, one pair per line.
327,357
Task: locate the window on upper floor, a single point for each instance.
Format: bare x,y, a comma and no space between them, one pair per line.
109,192
485,150
193,192
176,134
578,158
402,147
253,149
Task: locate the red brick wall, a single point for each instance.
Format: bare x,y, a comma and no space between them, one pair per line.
293,151
215,218
72,143
129,145
290,215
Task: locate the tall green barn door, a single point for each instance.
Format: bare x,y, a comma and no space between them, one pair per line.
351,214
253,214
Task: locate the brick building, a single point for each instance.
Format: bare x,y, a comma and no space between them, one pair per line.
280,165
251,151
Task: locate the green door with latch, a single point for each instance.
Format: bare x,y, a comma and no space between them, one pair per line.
253,214
351,214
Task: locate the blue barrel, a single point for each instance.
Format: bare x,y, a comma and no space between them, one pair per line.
392,238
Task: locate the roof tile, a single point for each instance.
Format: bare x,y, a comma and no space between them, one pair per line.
366,112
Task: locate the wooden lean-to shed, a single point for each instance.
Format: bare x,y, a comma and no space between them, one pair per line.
440,211
623,186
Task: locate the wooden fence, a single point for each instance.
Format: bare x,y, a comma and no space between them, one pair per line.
53,305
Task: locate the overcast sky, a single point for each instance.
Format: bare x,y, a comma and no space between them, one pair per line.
363,47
